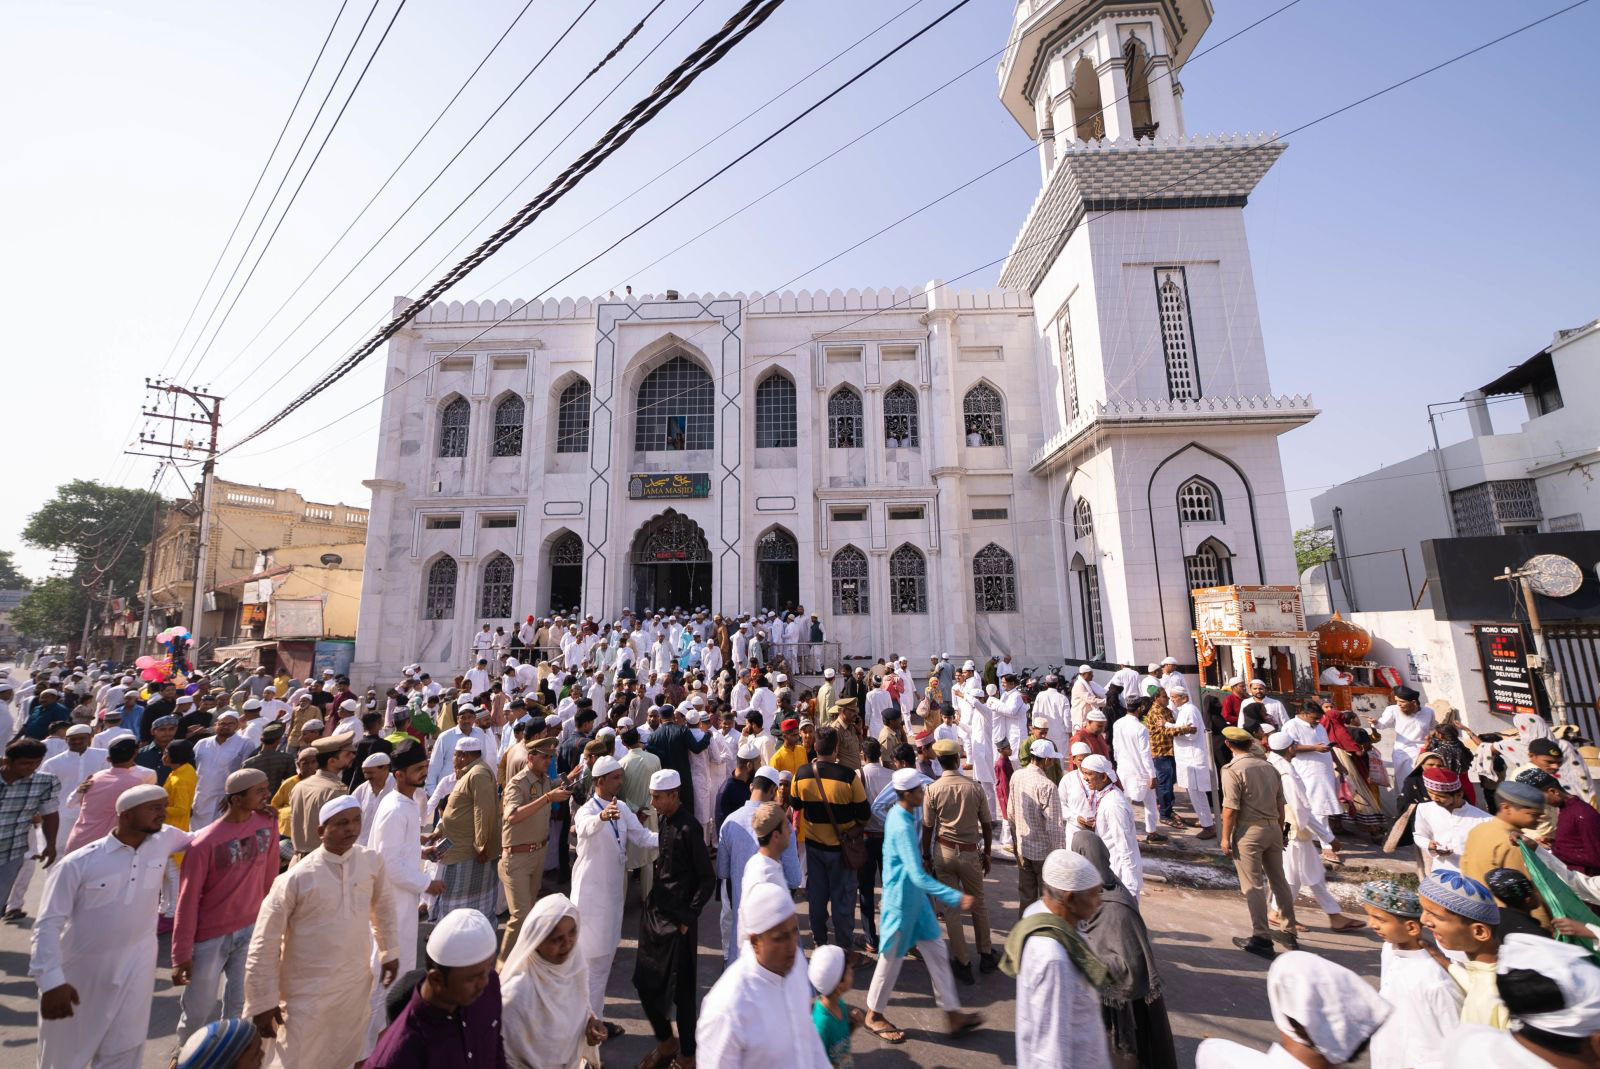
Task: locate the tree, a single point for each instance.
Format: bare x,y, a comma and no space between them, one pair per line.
1311,547
105,528
10,578
52,611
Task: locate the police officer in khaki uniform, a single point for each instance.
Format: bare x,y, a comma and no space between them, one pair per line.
1252,834
526,820
955,827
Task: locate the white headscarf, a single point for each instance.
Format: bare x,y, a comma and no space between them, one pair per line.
1572,970
546,1005
1336,1009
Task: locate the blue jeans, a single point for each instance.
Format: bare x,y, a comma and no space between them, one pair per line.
213,960
10,870
828,882
1166,776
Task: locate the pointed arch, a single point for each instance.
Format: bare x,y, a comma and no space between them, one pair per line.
572,414
1211,564
1090,615
1088,122
983,413
675,408
565,555
455,425
850,579
1199,501
994,580
510,414
1082,519
439,589
497,587
777,569
908,581
777,421
846,425
902,423
1136,67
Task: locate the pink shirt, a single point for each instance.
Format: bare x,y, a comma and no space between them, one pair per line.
227,871
98,814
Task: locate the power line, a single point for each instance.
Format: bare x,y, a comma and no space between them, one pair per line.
744,22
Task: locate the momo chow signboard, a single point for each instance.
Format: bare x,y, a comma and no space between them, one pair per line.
666,486
1506,678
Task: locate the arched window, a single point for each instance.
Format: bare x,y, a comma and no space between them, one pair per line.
1087,121
900,428
844,419
1172,292
984,415
508,427
572,418
454,422
908,582
494,596
676,408
1089,605
439,596
1198,502
1209,565
994,580
1137,66
776,413
566,572
849,582
1082,519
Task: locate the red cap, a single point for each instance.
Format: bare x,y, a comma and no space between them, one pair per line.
1441,780
922,738
789,725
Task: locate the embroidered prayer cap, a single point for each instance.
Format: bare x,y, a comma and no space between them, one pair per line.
749,751
79,729
1391,898
140,795
1078,749
764,908
1441,780
1068,872
243,779
376,760
464,937
219,1045
1041,722
1538,779
251,705
1460,895
470,744
908,779
334,807
1096,715
826,968
766,818
1509,886
667,779
1519,794
1570,968
605,766
227,714
1278,740
828,673
349,705
1336,1010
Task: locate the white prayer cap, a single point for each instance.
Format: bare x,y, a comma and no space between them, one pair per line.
826,968
605,766
1085,670
692,716
1334,1008
470,744
251,705
1043,748
763,908
785,776
1097,715
698,701
1168,660
227,714
1572,970
79,729
1253,682
1279,740
376,760
1078,749
1233,681
626,723
1041,722
349,705
828,673
464,937
908,779
1098,763
145,792
667,779
185,699
768,773
749,752
969,667
327,672
1151,667
1067,871
331,809
779,677
606,733
313,725
992,689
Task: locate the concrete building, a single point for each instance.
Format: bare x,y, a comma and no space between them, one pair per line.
1044,468
1539,478
246,521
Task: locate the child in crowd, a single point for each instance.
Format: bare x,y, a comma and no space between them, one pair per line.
1426,1001
830,975
1462,915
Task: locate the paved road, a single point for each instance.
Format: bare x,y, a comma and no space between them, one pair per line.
1211,989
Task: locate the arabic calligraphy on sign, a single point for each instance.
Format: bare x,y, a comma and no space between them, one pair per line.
676,484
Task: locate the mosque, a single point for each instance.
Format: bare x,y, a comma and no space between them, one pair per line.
1045,468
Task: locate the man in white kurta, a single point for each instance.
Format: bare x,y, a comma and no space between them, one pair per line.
1412,722
606,827
71,767
1011,713
215,759
1443,821
1111,818
1085,696
1275,709
396,837
96,937
1191,747
308,976
878,699
1313,763
1302,857
1136,769
1051,704
1059,1023
444,747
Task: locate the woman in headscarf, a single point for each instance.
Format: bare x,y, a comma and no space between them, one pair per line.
1362,809
1445,742
547,1023
1134,1009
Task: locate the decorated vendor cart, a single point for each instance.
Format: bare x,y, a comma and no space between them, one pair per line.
1255,632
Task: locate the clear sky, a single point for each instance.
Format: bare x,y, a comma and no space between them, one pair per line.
1404,252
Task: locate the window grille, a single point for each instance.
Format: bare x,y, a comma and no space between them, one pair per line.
908,582
1069,368
1208,567
1197,502
994,580
453,426
777,546
676,408
1082,519
674,538
508,427
990,514
844,419
1093,622
1172,291
572,419
439,603
900,429
850,582
1482,509
776,419
494,598
567,551
984,415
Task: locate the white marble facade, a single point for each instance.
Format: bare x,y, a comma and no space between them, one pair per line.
1040,468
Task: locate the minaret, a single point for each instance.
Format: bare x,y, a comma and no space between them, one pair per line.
1161,455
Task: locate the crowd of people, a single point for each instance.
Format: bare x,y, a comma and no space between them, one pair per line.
294,837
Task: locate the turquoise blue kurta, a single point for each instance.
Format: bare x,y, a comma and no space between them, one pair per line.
907,916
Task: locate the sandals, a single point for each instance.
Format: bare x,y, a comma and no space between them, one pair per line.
1345,924
971,1022
888,1033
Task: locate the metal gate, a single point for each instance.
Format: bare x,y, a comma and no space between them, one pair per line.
1574,651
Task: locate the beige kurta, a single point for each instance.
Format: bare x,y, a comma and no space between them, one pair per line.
312,953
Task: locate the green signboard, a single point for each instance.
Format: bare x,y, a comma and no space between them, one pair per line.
690,484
